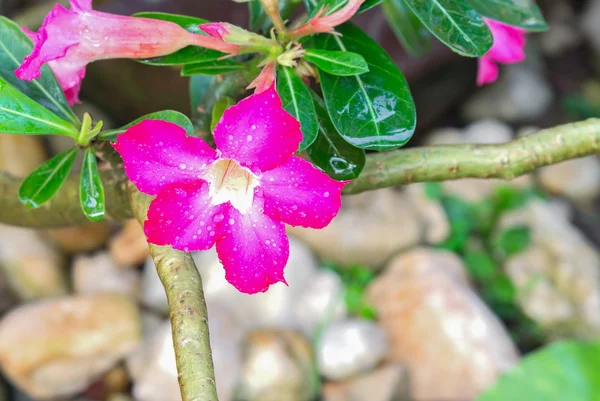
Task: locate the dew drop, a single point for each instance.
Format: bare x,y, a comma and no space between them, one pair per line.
326,194
182,166
218,218
249,138
231,222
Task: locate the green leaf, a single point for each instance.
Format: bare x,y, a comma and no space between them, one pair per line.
21,115
512,241
409,29
480,265
217,112
298,101
455,23
339,159
43,183
460,215
14,46
91,191
521,13
216,67
337,62
165,115
374,110
189,54
563,371
199,85
334,5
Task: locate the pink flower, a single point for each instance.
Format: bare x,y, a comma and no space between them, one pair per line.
265,79
321,23
73,38
508,48
238,196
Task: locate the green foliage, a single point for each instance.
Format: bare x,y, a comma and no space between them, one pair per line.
337,62
91,191
484,247
220,107
21,115
355,279
521,13
339,159
408,28
297,101
166,115
212,67
374,110
564,371
45,90
45,181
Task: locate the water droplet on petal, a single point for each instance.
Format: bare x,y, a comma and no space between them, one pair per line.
326,194
217,218
182,166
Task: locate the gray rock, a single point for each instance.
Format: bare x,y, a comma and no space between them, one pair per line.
278,365
439,327
578,179
521,94
100,273
153,292
590,24
350,347
387,383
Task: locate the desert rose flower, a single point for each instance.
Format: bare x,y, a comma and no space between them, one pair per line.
237,197
72,38
508,48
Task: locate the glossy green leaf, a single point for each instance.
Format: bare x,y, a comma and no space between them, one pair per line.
217,112
91,190
330,152
189,54
337,62
512,241
165,115
298,101
564,371
14,46
43,183
407,27
216,67
455,23
21,115
373,110
522,13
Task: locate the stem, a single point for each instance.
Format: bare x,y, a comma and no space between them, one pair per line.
505,161
63,209
189,317
272,9
400,167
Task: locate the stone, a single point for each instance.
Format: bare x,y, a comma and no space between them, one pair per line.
558,277
369,229
521,94
153,369
153,292
387,383
487,132
80,238
433,217
277,365
445,136
32,268
589,24
99,273
112,383
350,347
438,327
129,247
577,179
565,33
57,348
21,154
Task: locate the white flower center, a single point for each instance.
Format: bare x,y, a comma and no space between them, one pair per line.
230,182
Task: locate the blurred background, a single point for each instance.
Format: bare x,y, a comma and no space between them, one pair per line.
428,292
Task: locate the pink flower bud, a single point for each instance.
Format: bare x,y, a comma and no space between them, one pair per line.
72,38
321,24
235,35
265,80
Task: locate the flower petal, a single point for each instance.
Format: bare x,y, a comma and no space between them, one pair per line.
81,5
509,43
253,249
488,71
52,42
158,153
182,216
298,194
258,132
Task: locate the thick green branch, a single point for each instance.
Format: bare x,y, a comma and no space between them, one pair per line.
63,210
189,317
400,167
505,161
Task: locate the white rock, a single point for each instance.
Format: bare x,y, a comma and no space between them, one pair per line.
57,348
578,179
350,347
100,273
488,131
387,383
153,292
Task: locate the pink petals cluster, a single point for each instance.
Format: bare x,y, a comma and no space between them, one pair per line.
237,197
508,48
69,39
